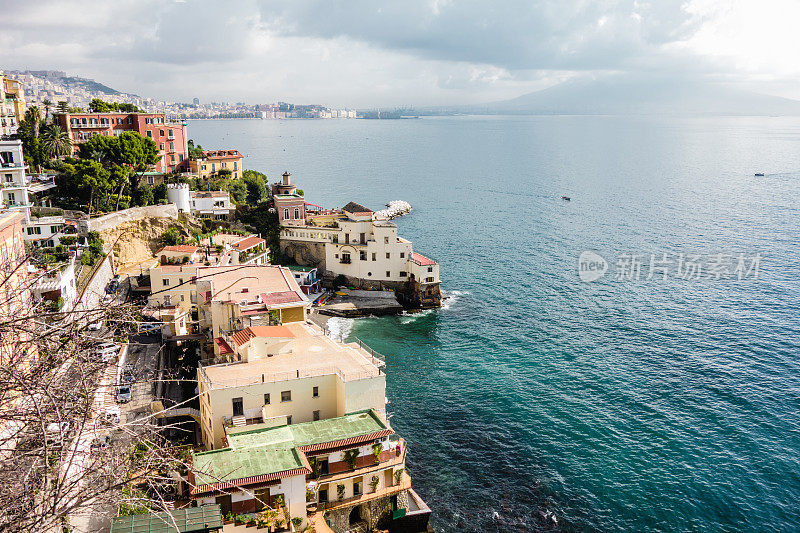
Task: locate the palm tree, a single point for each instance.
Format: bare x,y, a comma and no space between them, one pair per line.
56,141
46,103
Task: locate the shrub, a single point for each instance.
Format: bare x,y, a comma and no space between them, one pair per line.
171,237
340,280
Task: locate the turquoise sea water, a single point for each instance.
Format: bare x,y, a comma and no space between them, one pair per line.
618,405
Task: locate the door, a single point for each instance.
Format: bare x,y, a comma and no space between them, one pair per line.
323,466
262,498
224,504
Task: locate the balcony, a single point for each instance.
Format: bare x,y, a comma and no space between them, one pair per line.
89,126
405,484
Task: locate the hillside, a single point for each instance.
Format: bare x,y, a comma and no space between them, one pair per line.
617,95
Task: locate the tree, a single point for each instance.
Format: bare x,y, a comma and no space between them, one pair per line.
144,195
28,131
195,152
92,176
160,193
256,189
56,142
47,104
171,237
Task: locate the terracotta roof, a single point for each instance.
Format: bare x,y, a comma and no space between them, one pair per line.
253,480
277,332
224,347
185,248
356,209
346,442
247,243
421,259
277,298
221,154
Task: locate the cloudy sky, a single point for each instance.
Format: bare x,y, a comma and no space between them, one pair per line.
383,53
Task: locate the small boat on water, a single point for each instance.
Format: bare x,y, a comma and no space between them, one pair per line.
565,198
759,174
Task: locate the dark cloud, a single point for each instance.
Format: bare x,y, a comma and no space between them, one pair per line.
521,35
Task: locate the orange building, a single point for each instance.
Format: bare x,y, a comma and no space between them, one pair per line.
213,161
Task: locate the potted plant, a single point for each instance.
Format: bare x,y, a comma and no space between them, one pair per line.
398,476
297,522
228,518
340,491
251,521
350,457
377,448
373,483
240,519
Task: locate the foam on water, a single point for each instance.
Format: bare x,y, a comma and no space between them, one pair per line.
339,328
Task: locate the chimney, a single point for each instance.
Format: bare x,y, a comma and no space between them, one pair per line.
287,178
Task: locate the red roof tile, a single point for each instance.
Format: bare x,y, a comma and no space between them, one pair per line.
185,248
247,243
254,480
224,347
277,332
277,298
421,259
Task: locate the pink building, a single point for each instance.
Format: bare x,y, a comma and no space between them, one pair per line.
170,137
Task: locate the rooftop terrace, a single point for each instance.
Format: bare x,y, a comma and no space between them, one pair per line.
312,353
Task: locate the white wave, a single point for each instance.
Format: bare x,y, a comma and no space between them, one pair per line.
339,328
407,318
449,298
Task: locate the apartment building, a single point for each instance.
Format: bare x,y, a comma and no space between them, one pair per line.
170,137
16,285
18,192
292,370
12,105
348,466
214,161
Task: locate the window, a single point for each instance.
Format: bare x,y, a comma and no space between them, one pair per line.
373,256
224,164
130,120
285,213
296,213
170,134
358,486
388,274
362,255
165,282
289,420
238,407
402,255
429,280
171,146
346,258
286,396
316,415
161,133
150,134
266,399
315,392
402,273
161,147
430,269
386,240
323,494
388,255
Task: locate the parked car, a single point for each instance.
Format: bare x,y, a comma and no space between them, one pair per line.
127,376
112,286
107,352
124,394
150,328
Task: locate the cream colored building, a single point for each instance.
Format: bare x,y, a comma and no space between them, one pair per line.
293,370
213,161
12,105
231,298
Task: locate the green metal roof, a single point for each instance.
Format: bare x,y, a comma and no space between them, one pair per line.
307,433
263,451
287,196
299,268
189,520
228,464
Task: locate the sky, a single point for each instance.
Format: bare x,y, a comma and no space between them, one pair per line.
362,53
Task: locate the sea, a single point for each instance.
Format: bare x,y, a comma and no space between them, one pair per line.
625,360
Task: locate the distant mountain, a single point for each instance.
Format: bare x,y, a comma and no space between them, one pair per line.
619,96
89,85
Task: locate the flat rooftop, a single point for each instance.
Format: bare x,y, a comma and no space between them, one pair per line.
312,353
239,283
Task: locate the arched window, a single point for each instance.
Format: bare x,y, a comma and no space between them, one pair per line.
296,212
285,213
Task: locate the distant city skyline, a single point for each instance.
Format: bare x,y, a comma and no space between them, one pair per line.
421,53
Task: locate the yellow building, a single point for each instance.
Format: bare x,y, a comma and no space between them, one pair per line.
12,105
286,374
213,161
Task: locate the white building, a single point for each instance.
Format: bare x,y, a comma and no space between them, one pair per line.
57,282
215,205
18,190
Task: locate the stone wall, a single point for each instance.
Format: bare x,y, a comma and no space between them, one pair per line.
112,220
305,253
372,512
